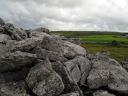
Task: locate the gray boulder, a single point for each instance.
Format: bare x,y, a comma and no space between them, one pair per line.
108,72
44,81
69,50
26,45
99,74
3,49
15,33
72,94
125,64
73,70
79,68
16,60
4,38
53,56
13,89
2,22
118,78
70,85
15,76
102,93
39,34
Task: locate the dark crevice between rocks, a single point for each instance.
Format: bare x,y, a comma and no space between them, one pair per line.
86,91
89,92
19,68
29,91
16,76
111,91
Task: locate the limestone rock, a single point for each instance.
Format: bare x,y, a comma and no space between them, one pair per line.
102,93
44,82
118,78
4,38
26,45
125,64
108,72
69,84
72,94
71,50
79,68
2,22
16,60
53,56
13,89
73,70
15,33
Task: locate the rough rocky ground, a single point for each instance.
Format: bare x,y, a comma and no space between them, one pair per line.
34,63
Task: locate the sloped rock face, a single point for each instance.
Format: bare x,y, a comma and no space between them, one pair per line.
102,93
13,89
72,94
108,72
12,61
44,82
34,63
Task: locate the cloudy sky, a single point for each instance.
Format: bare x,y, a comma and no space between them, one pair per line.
108,15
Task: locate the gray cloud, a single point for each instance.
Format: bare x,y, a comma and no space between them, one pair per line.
67,14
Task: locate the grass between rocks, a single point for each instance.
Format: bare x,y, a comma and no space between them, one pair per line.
118,53
101,41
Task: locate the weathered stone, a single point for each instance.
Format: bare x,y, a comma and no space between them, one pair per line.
53,56
79,68
16,76
73,69
15,33
26,45
52,44
2,22
102,93
44,82
72,94
38,34
13,89
118,78
85,66
125,64
3,49
108,72
98,78
16,60
71,50
69,84
4,38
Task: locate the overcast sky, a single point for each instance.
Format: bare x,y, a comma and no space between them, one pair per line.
67,14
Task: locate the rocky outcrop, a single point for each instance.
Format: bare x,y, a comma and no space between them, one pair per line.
34,63
13,89
16,60
108,72
125,64
102,93
44,81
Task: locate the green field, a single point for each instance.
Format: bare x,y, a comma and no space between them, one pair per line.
101,41
104,38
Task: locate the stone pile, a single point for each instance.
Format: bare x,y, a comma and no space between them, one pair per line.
34,63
